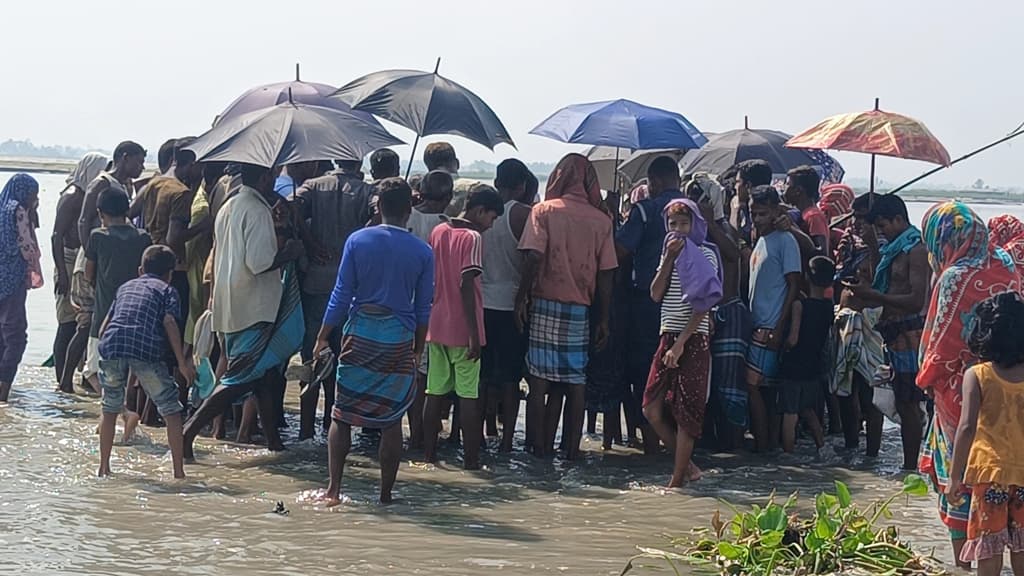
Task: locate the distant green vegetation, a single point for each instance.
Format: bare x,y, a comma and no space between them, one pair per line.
26,149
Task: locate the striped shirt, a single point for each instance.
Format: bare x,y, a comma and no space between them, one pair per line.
675,314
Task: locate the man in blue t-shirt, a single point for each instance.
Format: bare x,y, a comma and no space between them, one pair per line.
775,271
641,239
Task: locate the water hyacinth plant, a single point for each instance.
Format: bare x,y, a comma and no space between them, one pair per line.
840,538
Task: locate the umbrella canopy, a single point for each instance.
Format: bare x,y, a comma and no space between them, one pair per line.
606,160
635,167
729,148
290,133
311,93
874,132
426,103
621,123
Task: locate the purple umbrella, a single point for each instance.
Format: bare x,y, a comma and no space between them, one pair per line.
297,91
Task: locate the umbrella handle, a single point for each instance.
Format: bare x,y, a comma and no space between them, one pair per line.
412,154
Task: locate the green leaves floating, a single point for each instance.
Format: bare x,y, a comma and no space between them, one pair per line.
774,539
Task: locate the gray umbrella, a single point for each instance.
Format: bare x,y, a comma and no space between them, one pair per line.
289,133
635,167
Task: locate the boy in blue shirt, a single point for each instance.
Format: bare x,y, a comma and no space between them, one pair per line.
142,322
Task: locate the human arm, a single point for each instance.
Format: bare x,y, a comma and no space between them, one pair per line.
87,216
920,283
531,266
810,245
63,223
664,275
138,205
965,432
673,354
728,244
794,324
605,283
185,366
341,297
630,234
467,292
792,291
92,248
423,301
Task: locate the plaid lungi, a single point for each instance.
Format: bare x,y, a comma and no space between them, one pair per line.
559,338
729,360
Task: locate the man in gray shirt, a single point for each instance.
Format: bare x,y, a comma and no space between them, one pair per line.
333,206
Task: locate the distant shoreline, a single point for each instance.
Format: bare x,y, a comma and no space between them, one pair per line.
37,165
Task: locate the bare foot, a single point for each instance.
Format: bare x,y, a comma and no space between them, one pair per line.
328,499
386,499
676,482
693,473
131,423
104,471
276,447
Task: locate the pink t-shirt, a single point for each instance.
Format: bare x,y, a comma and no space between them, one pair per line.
576,242
456,251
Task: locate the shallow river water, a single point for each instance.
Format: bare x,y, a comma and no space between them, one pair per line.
518,516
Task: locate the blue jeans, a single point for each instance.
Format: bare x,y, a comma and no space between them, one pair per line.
154,378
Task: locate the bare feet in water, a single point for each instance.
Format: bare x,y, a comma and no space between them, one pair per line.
131,423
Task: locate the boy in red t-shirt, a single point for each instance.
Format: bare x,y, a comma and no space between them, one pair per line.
456,331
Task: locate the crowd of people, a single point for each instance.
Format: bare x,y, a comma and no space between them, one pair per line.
707,310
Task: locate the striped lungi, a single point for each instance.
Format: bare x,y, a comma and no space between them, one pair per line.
65,308
559,338
375,371
266,345
728,360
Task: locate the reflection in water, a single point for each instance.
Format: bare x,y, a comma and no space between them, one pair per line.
519,515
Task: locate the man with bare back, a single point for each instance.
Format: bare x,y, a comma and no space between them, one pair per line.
901,286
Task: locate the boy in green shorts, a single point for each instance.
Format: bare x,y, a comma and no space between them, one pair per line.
456,330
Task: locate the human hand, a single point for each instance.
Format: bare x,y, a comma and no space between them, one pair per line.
293,249
953,495
671,358
673,248
774,341
187,370
319,347
473,353
783,223
791,340
601,336
707,210
63,284
522,315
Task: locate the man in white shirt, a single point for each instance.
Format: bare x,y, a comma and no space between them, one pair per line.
257,316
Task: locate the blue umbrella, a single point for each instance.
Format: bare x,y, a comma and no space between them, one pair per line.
622,124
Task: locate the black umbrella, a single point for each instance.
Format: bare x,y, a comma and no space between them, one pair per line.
726,149
426,103
290,133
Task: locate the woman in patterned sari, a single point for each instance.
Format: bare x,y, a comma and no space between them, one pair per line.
968,270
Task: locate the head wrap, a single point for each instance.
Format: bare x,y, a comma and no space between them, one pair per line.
575,176
12,265
836,201
87,169
968,271
699,280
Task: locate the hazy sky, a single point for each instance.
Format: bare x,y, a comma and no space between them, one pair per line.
93,73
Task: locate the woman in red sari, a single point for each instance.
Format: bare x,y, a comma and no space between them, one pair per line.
968,270
1006,231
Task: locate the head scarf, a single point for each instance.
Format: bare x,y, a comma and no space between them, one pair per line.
699,280
1007,232
87,169
836,201
968,271
712,193
13,266
574,176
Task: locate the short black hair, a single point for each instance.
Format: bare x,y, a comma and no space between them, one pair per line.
808,179
415,181
864,202
128,148
212,171
995,333
251,174
394,197
113,202
663,167
183,157
821,271
384,163
888,206
158,260
765,195
436,184
438,155
754,172
165,156
511,173
486,197
349,165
